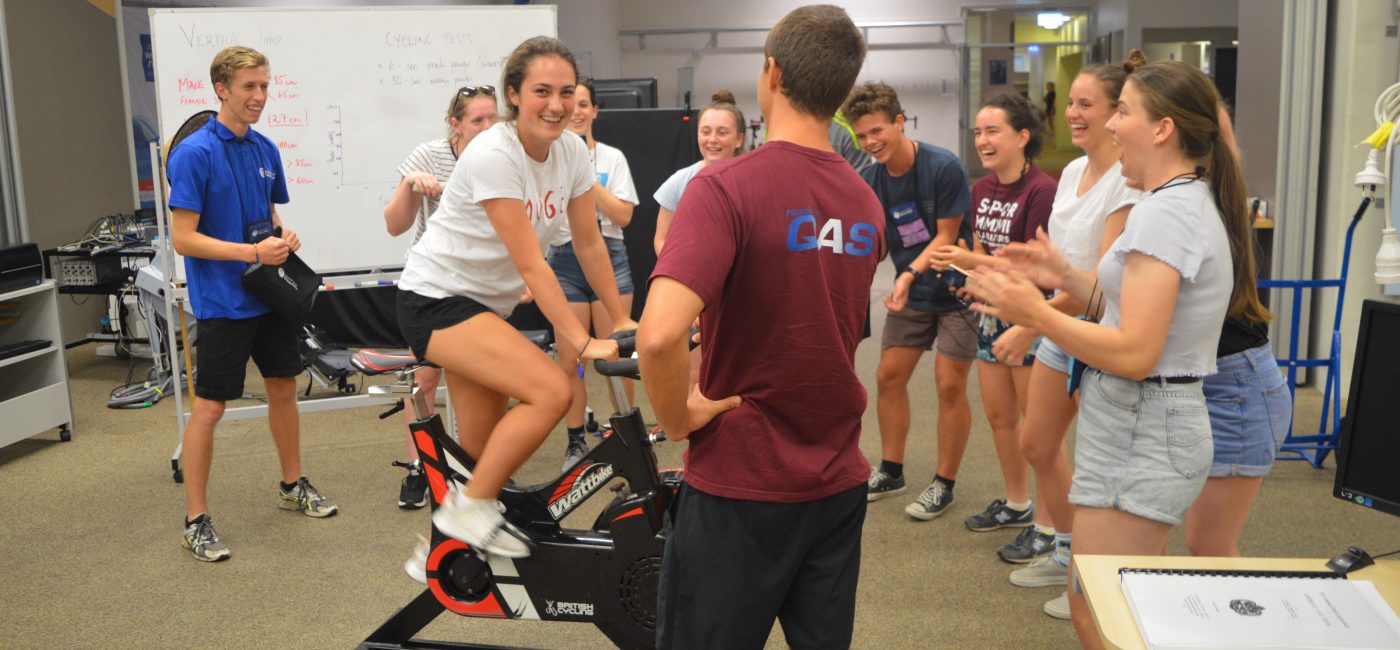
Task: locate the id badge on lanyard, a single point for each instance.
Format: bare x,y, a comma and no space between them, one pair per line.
258,231
910,225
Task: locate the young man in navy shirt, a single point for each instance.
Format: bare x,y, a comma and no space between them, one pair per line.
225,182
768,523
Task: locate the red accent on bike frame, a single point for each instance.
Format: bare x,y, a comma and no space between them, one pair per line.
487,607
435,478
568,483
630,513
364,359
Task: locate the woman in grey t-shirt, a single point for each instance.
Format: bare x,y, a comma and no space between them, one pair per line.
1166,284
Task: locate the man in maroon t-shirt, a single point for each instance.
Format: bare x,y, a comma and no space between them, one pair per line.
775,251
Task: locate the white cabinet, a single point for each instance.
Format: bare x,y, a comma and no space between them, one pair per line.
33,386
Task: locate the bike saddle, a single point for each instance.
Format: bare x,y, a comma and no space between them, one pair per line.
541,338
377,362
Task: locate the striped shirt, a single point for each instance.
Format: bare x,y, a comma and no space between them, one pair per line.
434,157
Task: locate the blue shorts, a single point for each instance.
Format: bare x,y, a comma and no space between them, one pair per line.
564,262
1142,447
989,329
1250,412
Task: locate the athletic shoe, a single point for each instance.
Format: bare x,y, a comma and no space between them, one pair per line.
883,485
931,503
575,453
416,566
998,515
304,498
202,542
1058,607
1029,545
480,525
413,492
1044,571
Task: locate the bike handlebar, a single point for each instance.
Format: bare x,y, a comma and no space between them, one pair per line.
626,364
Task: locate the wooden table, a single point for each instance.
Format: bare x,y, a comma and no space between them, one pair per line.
1098,574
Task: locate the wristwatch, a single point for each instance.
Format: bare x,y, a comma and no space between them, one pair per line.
910,270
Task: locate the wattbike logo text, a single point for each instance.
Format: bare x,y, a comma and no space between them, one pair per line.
804,235
586,481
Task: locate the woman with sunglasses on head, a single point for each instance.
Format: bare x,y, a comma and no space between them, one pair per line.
484,246
615,197
1009,205
1182,264
720,134
421,176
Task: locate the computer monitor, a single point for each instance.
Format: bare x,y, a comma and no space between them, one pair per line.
1369,450
625,93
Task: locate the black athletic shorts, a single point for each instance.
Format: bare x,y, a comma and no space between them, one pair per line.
420,315
732,566
225,345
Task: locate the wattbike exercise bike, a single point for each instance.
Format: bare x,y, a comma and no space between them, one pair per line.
606,575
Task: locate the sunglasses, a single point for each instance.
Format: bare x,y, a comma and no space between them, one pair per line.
473,91
954,281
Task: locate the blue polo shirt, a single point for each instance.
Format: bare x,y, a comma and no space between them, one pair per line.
231,183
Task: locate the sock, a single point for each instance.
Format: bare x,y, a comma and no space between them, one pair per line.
286,487
895,470
196,520
1041,529
575,434
947,482
1018,507
1062,544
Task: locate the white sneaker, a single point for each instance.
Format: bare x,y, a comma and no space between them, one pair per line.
1043,571
416,566
479,523
1058,607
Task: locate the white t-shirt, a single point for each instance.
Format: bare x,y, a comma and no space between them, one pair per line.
669,194
611,169
461,254
1180,226
1077,222
434,157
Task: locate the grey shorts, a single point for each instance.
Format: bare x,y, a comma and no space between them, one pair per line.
1141,447
953,330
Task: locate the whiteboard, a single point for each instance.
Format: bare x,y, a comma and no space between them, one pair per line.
353,91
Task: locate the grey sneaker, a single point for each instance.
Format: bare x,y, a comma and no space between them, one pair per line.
1058,607
998,515
1044,571
304,498
1029,545
575,453
931,503
883,485
202,542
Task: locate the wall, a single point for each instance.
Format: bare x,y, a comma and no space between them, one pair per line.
71,127
917,74
1361,64
589,28
1177,13
1257,94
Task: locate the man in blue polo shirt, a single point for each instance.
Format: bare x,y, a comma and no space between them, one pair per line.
225,182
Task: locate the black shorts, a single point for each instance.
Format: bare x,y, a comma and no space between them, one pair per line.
420,315
732,566
225,344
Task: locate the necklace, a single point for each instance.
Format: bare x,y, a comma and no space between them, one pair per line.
1181,179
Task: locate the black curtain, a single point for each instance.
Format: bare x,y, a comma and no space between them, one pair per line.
657,143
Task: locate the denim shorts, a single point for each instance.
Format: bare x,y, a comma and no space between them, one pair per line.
1142,447
1250,412
1052,356
564,262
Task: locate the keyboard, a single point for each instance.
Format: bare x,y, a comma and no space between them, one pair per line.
17,348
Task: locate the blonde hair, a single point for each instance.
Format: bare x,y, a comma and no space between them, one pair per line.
232,59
